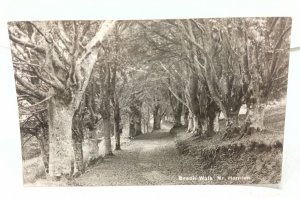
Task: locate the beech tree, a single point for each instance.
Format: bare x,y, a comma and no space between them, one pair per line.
61,55
268,40
223,62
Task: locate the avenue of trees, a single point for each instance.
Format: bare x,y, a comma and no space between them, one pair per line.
84,82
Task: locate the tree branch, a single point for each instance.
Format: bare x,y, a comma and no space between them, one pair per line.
28,86
26,44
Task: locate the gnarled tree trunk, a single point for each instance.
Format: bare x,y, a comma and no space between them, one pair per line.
61,152
255,119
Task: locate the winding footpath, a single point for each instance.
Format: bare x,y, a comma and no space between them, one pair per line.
149,159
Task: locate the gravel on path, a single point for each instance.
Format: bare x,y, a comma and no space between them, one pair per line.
149,159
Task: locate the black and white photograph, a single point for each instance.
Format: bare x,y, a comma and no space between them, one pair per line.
192,101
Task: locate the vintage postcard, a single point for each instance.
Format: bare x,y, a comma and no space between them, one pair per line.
151,102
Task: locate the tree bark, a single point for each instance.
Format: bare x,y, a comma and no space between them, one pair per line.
107,136
216,122
146,119
138,124
255,106
193,101
186,118
77,136
210,126
232,124
177,115
156,118
197,130
255,119
91,143
44,147
78,159
61,152
117,129
176,106
131,125
190,122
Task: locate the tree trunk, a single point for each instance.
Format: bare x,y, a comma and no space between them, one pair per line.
177,120
190,122
156,122
44,147
92,150
255,119
177,115
232,119
147,120
78,153
216,122
197,130
186,118
61,152
204,124
131,125
156,118
210,126
117,129
255,107
138,125
77,136
232,124
107,136
193,100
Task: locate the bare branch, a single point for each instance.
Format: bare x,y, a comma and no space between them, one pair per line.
28,86
26,44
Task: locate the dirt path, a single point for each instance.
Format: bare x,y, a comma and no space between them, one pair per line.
149,159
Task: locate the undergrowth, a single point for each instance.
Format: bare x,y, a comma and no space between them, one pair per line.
257,156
